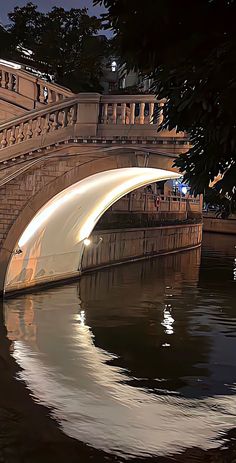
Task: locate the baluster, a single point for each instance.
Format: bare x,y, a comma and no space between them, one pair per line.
123,113
141,114
70,116
3,79
12,138
29,131
41,94
105,113
55,121
10,81
46,125
50,96
74,114
38,128
20,136
114,113
132,113
151,112
65,117
4,139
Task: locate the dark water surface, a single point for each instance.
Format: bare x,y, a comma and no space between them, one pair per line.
137,362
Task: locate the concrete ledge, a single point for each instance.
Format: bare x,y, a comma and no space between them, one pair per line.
214,225
116,247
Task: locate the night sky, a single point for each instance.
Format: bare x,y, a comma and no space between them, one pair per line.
44,5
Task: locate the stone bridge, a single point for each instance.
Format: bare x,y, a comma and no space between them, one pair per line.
68,158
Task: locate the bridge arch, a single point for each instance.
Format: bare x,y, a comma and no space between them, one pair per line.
50,231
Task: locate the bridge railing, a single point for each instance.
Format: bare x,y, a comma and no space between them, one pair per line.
83,116
131,110
30,88
39,124
147,202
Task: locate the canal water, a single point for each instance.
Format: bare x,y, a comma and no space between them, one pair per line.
136,362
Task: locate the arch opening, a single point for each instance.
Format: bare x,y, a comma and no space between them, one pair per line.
52,244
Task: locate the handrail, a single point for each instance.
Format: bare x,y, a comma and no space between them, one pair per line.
39,122
30,86
147,202
131,109
62,104
64,113
85,114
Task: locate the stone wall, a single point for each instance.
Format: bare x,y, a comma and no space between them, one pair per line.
110,247
143,219
219,225
115,246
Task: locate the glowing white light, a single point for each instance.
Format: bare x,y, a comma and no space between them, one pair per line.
82,318
184,190
168,320
47,211
113,66
102,183
87,242
116,193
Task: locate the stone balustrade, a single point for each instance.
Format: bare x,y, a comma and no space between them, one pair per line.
147,202
38,123
30,87
86,117
64,113
131,110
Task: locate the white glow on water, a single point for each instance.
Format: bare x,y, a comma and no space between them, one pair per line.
168,320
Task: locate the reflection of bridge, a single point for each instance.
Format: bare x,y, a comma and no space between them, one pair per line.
68,366
51,139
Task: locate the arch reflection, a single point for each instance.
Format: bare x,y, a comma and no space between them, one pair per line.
76,346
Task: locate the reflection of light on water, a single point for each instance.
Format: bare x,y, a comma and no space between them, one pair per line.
168,320
100,409
234,270
82,318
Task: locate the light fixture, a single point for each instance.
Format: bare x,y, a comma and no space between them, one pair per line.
87,242
113,66
17,251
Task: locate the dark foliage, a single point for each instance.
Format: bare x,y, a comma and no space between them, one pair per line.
63,43
189,48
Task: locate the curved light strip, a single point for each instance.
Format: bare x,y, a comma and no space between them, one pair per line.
136,177
114,195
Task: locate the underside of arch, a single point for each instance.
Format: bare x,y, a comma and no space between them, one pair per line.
51,246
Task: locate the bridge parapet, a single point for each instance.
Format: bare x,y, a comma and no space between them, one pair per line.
88,116
131,110
31,91
146,202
